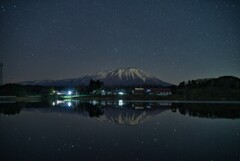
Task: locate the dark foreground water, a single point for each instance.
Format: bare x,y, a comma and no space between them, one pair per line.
119,130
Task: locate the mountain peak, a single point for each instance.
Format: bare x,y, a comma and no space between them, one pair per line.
128,68
130,73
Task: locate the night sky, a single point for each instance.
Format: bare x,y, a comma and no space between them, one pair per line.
174,40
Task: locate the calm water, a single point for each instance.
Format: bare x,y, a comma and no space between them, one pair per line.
119,130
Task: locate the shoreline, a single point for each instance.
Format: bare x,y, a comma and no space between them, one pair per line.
115,98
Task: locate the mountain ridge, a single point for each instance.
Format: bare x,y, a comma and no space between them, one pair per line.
130,76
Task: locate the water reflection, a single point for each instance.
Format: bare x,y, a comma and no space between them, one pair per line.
231,111
125,112
8,108
80,130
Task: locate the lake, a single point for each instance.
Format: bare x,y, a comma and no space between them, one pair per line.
120,130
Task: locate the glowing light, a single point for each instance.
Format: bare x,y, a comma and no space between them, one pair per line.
69,92
94,102
120,93
53,103
69,104
120,102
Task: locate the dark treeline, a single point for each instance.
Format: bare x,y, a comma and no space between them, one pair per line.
224,88
223,82
13,89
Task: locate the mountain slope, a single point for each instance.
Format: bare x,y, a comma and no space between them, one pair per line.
118,77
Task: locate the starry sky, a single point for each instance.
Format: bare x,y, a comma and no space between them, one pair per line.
174,40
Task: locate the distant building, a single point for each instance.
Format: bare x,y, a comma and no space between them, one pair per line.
139,91
159,91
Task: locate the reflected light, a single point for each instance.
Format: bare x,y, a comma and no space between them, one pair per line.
53,103
59,102
94,102
120,102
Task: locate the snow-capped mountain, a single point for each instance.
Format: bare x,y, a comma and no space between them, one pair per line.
118,77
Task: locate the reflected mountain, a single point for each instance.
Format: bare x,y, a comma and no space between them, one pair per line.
129,116
124,112
119,112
